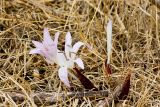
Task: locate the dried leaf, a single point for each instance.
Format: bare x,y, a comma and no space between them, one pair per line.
108,68
122,91
85,81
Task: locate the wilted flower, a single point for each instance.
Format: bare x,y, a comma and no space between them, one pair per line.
108,29
48,49
109,40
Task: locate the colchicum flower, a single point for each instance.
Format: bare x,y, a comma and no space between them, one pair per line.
48,47
109,40
66,60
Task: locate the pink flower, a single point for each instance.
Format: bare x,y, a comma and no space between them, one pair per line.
66,60
48,47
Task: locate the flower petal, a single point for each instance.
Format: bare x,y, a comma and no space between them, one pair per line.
39,51
52,48
79,62
75,49
68,39
68,44
63,75
35,51
61,59
47,38
77,46
56,38
38,44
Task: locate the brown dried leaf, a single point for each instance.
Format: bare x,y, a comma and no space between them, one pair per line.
122,91
108,68
85,81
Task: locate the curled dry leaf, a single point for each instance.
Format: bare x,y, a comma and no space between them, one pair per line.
108,29
120,93
85,81
122,90
108,69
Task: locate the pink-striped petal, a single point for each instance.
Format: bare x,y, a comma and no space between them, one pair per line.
38,44
56,38
35,51
63,75
41,52
52,48
47,38
79,62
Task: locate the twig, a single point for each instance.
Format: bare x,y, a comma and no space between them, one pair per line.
49,98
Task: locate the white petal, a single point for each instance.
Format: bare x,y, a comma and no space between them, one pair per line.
61,59
68,46
63,75
56,38
79,62
109,39
38,44
77,46
70,64
68,39
75,49
47,38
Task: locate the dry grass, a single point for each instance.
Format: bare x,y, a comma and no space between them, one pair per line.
136,46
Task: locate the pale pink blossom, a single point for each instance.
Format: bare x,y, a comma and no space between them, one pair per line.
46,48
66,59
